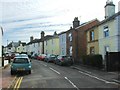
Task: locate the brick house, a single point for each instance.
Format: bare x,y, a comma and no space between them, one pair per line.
76,39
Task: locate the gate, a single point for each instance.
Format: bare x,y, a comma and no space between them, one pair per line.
113,61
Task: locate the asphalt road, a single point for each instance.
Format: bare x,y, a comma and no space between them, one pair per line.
49,75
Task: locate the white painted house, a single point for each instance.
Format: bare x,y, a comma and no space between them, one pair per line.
34,46
62,43
109,32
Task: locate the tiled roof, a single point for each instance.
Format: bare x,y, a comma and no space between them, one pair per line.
110,18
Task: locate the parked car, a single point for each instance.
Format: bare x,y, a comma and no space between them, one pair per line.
21,64
41,57
34,56
50,58
63,60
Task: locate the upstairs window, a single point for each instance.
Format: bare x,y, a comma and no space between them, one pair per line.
92,35
106,31
70,36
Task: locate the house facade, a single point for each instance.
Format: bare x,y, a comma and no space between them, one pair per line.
62,43
33,47
109,35
92,40
51,45
21,48
82,38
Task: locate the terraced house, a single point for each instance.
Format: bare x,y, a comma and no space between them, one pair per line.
51,44
109,31
92,40
34,46
62,43
76,39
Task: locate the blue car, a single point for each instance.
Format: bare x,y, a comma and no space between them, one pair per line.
21,64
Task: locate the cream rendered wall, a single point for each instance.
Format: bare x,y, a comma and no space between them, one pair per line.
21,48
111,40
94,43
52,48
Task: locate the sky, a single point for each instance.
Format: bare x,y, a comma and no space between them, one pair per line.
21,19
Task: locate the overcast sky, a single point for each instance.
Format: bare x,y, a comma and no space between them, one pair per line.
21,19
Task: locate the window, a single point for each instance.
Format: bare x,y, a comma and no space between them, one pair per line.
106,31
91,35
107,49
70,50
92,50
70,36
34,44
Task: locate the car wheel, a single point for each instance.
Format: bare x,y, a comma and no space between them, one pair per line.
29,71
12,72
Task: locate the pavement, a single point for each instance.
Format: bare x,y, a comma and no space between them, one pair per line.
7,79
109,76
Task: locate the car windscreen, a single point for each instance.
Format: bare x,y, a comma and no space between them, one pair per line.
20,60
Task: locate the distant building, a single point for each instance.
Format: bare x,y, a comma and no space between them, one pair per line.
14,47
62,43
1,33
51,44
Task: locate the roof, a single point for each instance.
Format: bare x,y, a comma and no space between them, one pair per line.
34,41
110,18
86,23
48,37
105,20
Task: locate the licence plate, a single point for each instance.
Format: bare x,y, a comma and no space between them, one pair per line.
20,69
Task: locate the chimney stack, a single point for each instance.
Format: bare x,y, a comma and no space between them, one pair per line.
31,38
76,22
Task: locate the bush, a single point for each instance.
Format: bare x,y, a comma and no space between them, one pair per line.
93,60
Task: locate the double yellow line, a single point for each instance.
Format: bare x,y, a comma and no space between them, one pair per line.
17,84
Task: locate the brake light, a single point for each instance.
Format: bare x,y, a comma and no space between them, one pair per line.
62,59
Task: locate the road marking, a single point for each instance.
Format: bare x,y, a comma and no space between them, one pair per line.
97,78
71,83
17,84
20,82
44,64
54,70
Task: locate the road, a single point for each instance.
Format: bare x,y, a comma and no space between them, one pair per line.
49,75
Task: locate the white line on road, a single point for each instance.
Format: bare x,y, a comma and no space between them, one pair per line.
54,70
44,65
97,78
71,83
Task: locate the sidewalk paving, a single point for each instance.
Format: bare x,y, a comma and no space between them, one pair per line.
109,76
6,77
